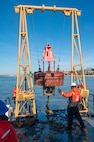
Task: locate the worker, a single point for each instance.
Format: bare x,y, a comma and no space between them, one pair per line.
73,111
14,92
7,131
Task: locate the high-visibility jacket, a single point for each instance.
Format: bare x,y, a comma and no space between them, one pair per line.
74,96
7,132
14,92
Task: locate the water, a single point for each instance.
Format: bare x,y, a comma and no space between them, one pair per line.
7,84
47,129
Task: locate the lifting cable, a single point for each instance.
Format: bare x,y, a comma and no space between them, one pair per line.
34,29
60,49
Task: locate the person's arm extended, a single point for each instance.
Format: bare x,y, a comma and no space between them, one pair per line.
65,94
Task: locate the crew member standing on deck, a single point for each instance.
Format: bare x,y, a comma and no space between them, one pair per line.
7,131
73,111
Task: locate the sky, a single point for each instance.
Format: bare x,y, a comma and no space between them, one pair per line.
43,28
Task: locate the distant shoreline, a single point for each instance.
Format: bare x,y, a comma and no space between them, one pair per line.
64,75
89,75
85,75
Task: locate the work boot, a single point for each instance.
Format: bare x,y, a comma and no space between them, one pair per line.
84,128
69,128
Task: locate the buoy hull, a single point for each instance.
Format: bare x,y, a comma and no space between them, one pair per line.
49,78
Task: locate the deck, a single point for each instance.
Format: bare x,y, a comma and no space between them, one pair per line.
51,127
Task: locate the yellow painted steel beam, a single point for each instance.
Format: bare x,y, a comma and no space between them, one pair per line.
30,8
25,95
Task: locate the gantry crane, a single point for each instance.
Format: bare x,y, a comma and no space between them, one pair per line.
25,89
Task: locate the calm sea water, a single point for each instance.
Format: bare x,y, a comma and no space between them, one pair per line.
7,84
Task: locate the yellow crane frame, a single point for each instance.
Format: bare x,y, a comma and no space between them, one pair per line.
23,50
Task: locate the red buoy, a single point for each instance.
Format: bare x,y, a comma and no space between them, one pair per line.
48,79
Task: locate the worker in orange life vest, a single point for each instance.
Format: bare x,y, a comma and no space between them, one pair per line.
14,91
74,99
7,131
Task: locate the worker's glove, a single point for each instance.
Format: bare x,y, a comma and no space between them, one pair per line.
59,91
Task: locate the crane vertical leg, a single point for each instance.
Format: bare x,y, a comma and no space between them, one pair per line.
78,68
25,95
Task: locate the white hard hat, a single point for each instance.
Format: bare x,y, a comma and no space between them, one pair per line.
73,84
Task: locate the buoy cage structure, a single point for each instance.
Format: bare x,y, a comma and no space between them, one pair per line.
48,79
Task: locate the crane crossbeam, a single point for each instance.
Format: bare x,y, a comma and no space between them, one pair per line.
30,8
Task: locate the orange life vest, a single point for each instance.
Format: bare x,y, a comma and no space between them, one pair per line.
14,92
75,95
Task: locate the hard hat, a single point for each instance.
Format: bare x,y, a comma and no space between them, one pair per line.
3,108
73,84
